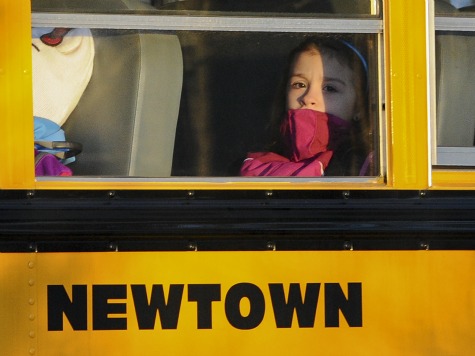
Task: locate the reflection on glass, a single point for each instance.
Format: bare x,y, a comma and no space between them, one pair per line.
455,55
462,8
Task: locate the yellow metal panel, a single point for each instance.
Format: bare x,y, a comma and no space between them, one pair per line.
406,54
412,302
453,179
18,304
16,122
117,184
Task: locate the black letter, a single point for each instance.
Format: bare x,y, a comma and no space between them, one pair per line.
146,313
204,294
74,309
256,300
283,312
351,308
101,308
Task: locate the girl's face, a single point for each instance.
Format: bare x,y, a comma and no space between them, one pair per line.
321,83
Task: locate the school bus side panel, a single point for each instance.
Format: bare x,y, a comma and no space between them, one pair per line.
360,303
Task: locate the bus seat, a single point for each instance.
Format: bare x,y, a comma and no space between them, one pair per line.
455,85
126,118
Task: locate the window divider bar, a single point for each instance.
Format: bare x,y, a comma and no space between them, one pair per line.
206,23
455,23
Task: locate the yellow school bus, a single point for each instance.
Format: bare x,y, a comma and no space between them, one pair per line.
153,243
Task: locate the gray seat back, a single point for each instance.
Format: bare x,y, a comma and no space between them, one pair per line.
126,118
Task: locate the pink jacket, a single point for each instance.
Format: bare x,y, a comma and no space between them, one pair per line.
311,137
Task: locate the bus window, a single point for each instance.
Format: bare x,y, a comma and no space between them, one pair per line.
455,78
213,74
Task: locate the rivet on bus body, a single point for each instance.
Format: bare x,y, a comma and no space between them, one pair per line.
31,317
114,246
31,264
31,301
31,282
271,246
32,334
347,245
424,245
32,351
32,247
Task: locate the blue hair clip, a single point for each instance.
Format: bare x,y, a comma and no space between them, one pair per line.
360,56
358,53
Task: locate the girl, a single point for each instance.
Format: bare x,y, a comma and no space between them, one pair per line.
320,126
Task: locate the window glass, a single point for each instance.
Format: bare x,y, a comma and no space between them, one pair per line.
304,8
307,7
232,83
456,114
91,6
455,133
460,8
146,100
